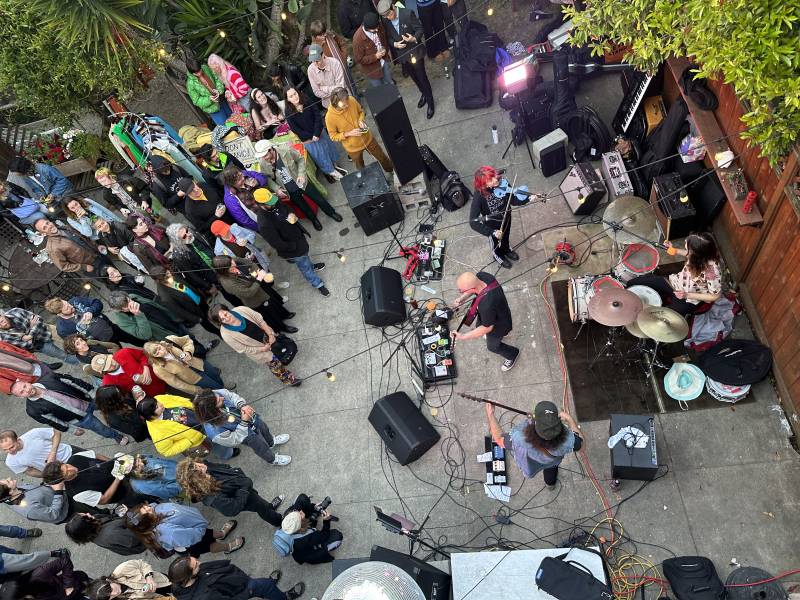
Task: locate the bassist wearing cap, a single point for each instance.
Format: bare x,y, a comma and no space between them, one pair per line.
541,443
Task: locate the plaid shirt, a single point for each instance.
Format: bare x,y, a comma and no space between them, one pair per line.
20,326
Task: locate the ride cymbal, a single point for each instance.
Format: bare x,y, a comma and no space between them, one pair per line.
662,324
614,307
633,216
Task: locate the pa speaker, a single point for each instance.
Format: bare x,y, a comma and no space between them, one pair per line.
435,583
389,112
402,427
382,297
374,204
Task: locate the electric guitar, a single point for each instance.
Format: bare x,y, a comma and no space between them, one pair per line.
493,403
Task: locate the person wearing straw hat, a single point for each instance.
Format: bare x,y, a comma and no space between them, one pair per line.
684,382
541,443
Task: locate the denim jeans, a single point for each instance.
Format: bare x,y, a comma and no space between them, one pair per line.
264,587
387,74
50,349
260,441
307,269
12,531
92,423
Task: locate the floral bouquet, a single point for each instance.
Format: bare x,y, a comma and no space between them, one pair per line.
47,149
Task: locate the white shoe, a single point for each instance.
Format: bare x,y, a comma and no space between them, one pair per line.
280,439
285,299
341,170
281,460
335,175
283,285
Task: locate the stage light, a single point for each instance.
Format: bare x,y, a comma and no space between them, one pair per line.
222,34
515,76
331,376
490,11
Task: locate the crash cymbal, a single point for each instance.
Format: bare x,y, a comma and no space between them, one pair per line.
635,218
614,307
662,324
634,330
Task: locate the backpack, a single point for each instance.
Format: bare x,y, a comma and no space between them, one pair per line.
693,578
736,362
454,192
284,542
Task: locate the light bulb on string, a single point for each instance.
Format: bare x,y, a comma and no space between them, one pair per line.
51,209
6,287
684,198
581,198
162,52
413,60
129,188
490,11
284,16
222,34
340,255
331,376
87,286
170,280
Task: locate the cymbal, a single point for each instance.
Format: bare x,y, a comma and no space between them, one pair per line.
662,324
614,307
634,216
634,330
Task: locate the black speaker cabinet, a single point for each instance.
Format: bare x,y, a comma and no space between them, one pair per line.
583,189
374,203
435,583
382,297
389,112
402,427
675,214
631,462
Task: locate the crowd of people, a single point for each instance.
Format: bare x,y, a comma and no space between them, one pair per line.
178,244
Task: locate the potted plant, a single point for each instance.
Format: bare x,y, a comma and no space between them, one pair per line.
46,149
82,149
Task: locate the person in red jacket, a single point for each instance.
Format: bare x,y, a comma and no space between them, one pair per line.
17,364
128,367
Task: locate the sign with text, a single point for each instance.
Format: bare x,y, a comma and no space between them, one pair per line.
242,149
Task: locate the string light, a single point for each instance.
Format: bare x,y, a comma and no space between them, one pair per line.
684,197
413,60
129,188
331,376
490,11
581,198
6,287
231,419
222,34
170,280
340,255
162,52
51,209
87,286
284,16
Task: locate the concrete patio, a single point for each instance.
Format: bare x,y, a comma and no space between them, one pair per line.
731,490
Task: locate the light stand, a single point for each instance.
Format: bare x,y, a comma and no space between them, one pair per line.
515,79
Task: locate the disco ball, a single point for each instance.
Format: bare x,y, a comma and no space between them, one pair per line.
374,580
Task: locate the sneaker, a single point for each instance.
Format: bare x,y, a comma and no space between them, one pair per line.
341,170
124,440
296,591
282,285
280,439
236,451
324,291
508,364
276,502
33,532
335,176
281,460
212,344
296,383
276,575
319,267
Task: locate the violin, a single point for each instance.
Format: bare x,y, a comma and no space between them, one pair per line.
503,189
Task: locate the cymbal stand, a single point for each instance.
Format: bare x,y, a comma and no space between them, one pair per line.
610,348
647,356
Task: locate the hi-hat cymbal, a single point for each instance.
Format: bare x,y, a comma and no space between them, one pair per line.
635,218
662,324
634,330
614,307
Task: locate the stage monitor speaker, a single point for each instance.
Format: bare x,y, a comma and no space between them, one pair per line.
374,203
434,583
402,427
382,297
583,189
387,108
632,462
550,152
675,214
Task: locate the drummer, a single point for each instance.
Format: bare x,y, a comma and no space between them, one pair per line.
698,282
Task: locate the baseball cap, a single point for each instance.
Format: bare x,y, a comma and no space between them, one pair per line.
384,6
546,420
292,522
314,52
185,184
101,363
263,196
220,228
262,147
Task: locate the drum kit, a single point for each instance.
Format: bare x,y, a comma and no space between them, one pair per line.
630,222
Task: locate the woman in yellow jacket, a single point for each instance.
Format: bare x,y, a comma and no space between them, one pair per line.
345,123
174,427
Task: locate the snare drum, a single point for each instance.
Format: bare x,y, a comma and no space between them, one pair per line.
726,393
636,260
582,289
646,294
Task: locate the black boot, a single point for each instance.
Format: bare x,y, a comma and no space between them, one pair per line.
317,225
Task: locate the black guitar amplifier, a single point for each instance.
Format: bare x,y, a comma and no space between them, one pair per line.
675,213
583,189
628,461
